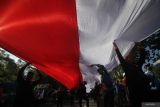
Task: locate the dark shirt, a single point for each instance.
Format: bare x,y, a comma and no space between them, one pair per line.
82,91
107,80
24,92
136,80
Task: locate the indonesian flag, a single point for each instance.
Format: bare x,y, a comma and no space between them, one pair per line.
63,37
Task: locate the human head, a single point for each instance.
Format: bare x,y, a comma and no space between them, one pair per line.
101,69
29,76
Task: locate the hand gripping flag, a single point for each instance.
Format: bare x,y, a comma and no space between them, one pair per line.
62,37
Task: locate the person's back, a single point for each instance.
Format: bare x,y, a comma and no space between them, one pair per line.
82,94
109,94
96,91
24,92
136,81
107,86
137,84
60,97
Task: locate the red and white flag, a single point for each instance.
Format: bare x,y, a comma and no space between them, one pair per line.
62,37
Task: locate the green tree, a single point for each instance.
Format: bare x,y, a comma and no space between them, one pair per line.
8,67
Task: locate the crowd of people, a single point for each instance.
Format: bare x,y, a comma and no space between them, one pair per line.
136,81
136,86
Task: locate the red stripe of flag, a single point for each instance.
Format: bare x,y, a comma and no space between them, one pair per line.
44,33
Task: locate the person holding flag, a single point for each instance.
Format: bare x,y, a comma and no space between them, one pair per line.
25,86
107,86
136,81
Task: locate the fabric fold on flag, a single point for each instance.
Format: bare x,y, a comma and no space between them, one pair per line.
45,34
63,37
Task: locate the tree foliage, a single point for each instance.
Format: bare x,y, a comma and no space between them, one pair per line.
8,67
9,70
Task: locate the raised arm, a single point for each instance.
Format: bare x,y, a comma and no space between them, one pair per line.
101,69
98,65
120,57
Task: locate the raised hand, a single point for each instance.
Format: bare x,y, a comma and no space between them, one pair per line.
115,45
